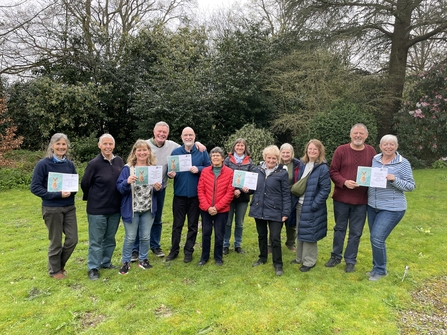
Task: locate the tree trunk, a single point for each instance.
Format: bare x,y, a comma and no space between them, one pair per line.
398,62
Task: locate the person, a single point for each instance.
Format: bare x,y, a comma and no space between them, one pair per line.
186,201
103,205
138,204
288,160
311,211
349,199
215,192
387,206
162,148
58,206
238,159
270,206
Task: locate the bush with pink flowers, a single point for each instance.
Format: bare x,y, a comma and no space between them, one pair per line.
421,124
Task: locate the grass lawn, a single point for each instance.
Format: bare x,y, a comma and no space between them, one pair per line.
179,298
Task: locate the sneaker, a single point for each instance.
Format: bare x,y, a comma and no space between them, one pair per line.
279,271
125,269
145,265
158,252
134,256
349,267
305,268
171,257
239,250
370,273
332,262
258,262
93,274
226,250
376,276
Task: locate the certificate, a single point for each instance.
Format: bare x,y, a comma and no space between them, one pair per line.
245,179
372,177
58,182
149,175
180,163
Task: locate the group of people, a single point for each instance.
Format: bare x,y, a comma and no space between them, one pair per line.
113,190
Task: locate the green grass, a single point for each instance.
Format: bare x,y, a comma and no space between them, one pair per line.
179,298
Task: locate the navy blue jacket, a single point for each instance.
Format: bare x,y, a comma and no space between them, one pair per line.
312,225
127,191
99,185
271,199
185,183
39,183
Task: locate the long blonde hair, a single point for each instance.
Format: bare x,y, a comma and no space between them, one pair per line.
322,152
132,159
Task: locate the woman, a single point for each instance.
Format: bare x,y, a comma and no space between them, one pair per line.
58,208
215,193
270,206
288,159
238,159
387,206
138,204
311,211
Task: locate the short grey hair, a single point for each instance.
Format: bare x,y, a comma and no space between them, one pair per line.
359,125
105,136
287,146
389,138
55,138
217,150
161,124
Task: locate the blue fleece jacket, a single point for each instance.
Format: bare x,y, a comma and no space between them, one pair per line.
185,183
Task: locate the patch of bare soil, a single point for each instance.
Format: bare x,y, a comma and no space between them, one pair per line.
428,314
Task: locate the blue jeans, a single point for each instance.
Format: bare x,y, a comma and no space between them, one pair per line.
238,210
208,221
141,224
381,223
101,239
354,216
157,225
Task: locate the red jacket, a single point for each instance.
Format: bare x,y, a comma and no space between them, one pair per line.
217,192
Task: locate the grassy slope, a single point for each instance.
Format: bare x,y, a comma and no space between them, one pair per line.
178,298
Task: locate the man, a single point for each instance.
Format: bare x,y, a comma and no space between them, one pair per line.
103,205
350,200
186,201
162,148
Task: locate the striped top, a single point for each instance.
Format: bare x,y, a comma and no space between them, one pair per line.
392,198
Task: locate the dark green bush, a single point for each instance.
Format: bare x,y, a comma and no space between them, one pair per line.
14,178
439,164
332,128
257,139
83,149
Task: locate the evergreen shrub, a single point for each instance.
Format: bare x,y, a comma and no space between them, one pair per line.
257,139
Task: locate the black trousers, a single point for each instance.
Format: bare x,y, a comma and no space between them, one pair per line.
219,221
183,207
275,227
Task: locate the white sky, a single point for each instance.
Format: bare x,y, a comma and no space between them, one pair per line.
205,4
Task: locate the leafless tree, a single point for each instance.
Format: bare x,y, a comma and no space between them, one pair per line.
32,32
